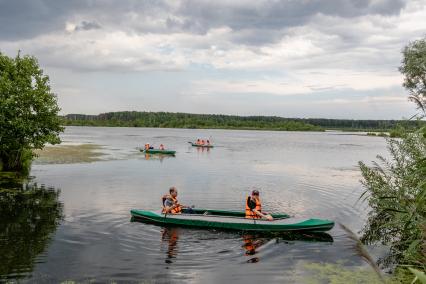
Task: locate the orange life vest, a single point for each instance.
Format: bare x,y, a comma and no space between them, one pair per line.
250,214
176,210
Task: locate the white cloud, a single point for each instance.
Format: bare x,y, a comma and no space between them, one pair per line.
302,82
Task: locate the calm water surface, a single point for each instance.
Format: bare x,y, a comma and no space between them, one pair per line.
301,173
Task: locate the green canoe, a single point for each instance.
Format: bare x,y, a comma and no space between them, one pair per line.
158,151
233,220
202,146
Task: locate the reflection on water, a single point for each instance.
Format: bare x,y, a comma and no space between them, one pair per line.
250,245
203,149
29,215
170,236
251,242
157,157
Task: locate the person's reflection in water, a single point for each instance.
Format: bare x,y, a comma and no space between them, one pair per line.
203,149
251,243
159,157
171,236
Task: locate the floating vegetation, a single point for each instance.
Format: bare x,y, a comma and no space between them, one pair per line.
336,273
69,154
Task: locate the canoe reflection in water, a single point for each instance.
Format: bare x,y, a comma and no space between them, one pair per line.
158,157
250,242
253,242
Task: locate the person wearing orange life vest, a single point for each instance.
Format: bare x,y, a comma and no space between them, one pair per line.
254,207
161,147
202,142
146,146
170,202
198,141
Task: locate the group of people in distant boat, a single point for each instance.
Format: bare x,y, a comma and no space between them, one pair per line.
253,206
148,146
203,142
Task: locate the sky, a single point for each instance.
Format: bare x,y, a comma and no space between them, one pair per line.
294,58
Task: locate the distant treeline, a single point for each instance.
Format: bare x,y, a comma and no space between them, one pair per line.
187,120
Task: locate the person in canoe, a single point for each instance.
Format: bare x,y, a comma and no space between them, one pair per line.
171,204
208,142
148,146
202,142
254,207
198,141
161,147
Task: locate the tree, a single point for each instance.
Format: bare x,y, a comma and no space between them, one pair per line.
28,111
414,69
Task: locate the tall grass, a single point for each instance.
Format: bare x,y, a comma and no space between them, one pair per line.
395,189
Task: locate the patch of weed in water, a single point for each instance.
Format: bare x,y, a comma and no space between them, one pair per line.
69,154
336,273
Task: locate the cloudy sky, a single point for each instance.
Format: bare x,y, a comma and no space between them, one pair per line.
294,58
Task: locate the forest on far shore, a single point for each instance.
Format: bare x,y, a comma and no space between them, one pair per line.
203,121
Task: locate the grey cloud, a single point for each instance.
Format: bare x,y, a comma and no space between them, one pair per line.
22,19
85,26
280,14
28,18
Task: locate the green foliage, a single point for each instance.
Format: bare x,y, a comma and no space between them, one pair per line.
396,193
28,111
420,275
414,69
186,120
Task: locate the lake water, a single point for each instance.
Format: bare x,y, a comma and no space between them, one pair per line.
305,174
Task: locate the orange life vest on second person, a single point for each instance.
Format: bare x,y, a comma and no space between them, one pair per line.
176,210
250,214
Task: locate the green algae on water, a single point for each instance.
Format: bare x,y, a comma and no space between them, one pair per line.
336,273
69,154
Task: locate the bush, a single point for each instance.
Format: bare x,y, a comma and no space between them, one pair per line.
396,193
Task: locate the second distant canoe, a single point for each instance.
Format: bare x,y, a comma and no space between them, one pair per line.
158,151
202,146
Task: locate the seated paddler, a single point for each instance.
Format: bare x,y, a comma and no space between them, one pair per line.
171,205
254,207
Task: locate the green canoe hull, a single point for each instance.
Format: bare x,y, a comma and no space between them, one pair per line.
202,146
233,220
158,151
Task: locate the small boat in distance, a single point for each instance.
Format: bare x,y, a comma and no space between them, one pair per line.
158,151
201,145
232,220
